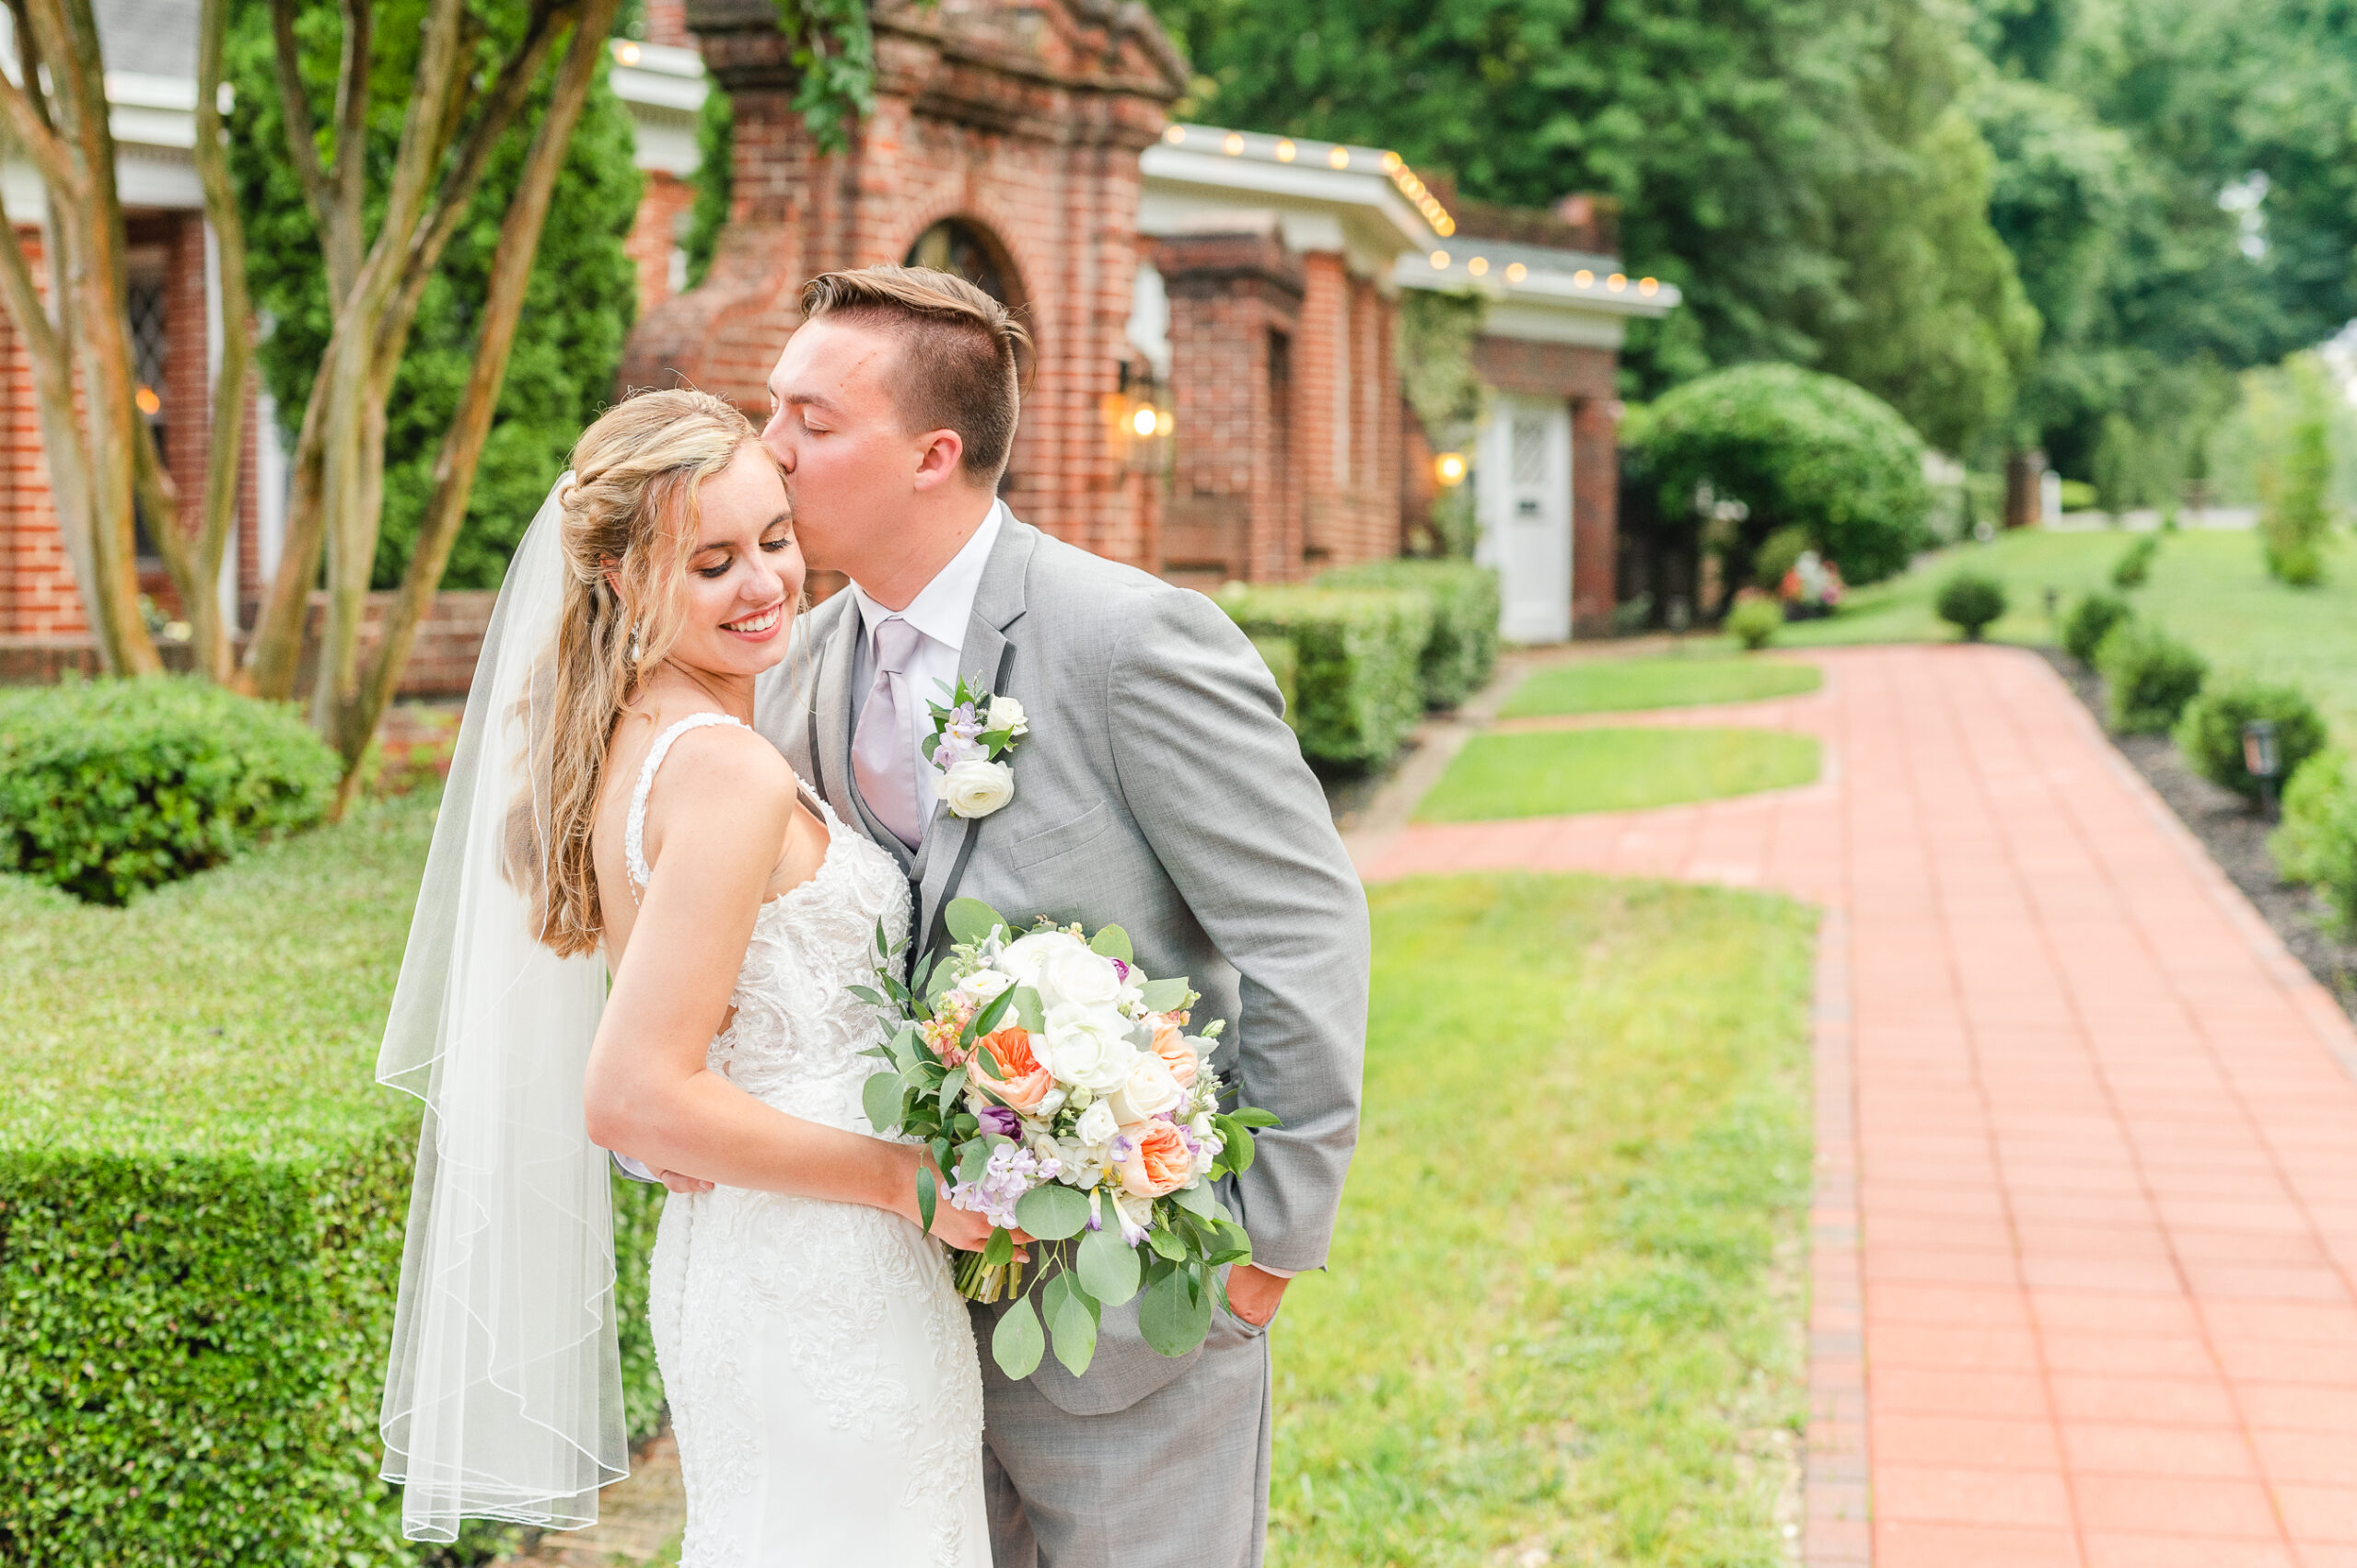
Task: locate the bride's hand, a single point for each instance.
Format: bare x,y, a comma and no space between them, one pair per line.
961,1228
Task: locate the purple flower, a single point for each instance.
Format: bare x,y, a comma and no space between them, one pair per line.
999,1120
1121,969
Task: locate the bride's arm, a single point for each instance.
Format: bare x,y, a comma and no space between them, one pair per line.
719,813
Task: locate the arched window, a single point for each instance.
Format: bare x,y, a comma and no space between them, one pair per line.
954,246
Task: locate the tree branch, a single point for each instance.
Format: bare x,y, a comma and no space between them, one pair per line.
350,173
455,465
227,452
25,118
303,139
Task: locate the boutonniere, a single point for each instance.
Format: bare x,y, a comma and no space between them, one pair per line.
971,734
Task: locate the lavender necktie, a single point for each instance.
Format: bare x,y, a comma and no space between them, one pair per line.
881,758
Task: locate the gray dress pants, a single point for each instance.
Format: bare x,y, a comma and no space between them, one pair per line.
1180,1480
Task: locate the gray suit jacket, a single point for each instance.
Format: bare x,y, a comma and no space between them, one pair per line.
1158,790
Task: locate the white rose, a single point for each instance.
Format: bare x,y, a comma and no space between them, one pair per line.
1098,1125
1026,956
1149,1090
1079,977
975,789
982,987
1006,714
1089,1046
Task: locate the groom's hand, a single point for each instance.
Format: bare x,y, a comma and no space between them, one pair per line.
1255,1294
677,1183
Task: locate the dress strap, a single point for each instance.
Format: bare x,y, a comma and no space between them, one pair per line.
634,827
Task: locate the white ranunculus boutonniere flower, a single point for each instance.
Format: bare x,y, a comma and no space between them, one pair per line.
976,789
971,733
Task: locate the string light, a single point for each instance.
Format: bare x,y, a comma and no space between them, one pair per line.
1286,150
1391,163
1516,273
1616,283
1340,157
1175,135
1584,278
1232,145
1477,265
626,51
1440,260
1648,286
1448,468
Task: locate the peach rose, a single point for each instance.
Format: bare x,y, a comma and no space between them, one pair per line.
1175,1053
1153,1159
1026,1082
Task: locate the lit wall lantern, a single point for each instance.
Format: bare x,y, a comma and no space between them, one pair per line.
1143,419
2263,760
147,401
1449,470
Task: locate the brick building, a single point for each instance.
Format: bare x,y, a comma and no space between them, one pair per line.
1215,391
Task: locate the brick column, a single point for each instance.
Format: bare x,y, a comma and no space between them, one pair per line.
1595,514
38,594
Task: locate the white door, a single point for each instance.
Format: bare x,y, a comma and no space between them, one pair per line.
1522,494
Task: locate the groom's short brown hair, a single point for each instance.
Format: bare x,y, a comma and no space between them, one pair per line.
961,353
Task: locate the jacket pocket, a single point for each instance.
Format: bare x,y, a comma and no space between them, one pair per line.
1061,839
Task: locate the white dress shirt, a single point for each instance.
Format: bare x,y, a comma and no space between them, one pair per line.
939,613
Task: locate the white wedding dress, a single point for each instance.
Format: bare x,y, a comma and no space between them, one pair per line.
819,1365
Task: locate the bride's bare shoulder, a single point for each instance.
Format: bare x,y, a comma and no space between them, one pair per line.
722,772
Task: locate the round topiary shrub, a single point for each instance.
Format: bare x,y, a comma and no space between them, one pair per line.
2151,677
2317,842
2210,732
2090,621
107,787
1755,620
1798,450
1969,600
2135,562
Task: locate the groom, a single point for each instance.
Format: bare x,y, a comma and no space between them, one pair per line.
1158,789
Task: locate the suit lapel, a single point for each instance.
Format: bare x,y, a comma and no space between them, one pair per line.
989,655
831,727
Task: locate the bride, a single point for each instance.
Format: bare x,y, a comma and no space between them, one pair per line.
609,808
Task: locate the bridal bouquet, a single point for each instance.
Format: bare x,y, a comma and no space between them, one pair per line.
1059,1092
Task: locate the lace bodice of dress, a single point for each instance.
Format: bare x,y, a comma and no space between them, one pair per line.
797,1039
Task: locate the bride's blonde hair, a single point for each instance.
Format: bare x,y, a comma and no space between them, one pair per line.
630,523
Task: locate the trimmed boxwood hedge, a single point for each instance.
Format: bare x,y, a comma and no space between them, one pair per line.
1463,648
201,1195
1356,654
1284,665
107,787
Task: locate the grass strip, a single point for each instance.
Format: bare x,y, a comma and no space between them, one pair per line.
1555,773
1563,1320
1607,686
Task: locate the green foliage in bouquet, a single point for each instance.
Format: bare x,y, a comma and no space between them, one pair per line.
109,787
1084,1262
2210,732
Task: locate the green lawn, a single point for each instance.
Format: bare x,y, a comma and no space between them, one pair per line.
1600,686
2208,589
1564,1307
1552,773
239,1010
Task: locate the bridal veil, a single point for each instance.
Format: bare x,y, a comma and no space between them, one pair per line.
503,1396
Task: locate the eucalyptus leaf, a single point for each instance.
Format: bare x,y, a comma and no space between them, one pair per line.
1052,1211
1108,1265
977,1160
1238,1142
1029,1011
1165,1242
950,1087
1253,1116
1197,1200
1112,943
866,995
916,980
1174,1317
1018,1342
1071,1314
999,1250
925,1197
880,1095
1164,995
987,1019
971,920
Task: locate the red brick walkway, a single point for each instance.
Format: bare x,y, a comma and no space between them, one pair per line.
2105,1144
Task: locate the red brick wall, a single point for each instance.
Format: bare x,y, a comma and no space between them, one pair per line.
37,592
1348,428
1235,502
1025,122
655,233
667,23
